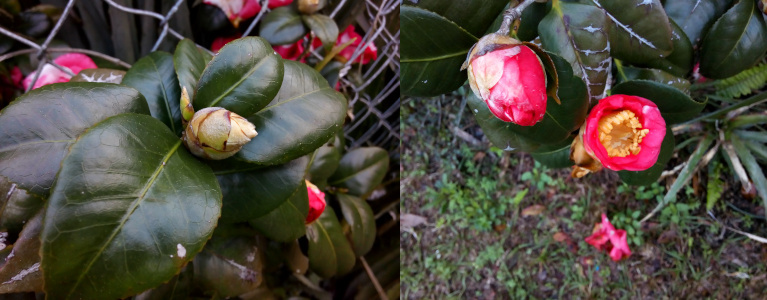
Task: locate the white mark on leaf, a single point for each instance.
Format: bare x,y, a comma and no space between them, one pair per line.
591,29
181,250
25,272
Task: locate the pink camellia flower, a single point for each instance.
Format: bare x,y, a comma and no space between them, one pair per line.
220,42
509,77
75,62
316,202
624,133
236,10
369,53
605,232
277,3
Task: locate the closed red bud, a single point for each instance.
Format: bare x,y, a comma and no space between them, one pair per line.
316,202
509,77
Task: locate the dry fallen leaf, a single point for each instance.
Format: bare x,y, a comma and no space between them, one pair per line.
533,210
560,237
410,220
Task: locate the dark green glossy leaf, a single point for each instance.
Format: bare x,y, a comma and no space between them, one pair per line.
361,170
126,204
557,125
243,78
324,27
228,267
361,219
17,206
154,76
474,16
639,30
287,222
557,158
282,26
675,106
331,72
21,271
304,115
652,174
177,288
326,161
433,49
735,42
695,17
296,260
37,128
578,33
329,252
656,75
531,17
189,62
124,32
34,24
99,75
680,62
252,194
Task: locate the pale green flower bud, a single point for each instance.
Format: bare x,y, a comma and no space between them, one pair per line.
216,133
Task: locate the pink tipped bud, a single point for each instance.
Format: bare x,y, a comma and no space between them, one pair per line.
316,202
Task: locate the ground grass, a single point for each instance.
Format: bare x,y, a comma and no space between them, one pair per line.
482,240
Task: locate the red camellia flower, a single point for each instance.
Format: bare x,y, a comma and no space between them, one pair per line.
605,232
369,53
75,62
316,202
220,42
509,77
277,3
624,133
294,51
237,10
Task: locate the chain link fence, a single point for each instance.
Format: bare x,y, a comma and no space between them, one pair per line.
373,89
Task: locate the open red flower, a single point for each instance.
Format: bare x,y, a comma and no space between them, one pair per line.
509,77
606,237
369,53
237,10
624,133
75,62
316,202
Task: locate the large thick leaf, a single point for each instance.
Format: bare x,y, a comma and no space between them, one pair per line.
679,62
37,129
695,17
17,206
127,211
361,170
639,30
556,158
325,162
304,115
675,106
436,36
243,78
254,193
282,26
154,76
324,27
361,219
229,266
735,43
528,22
652,174
21,271
288,221
578,33
656,75
189,62
557,125
329,251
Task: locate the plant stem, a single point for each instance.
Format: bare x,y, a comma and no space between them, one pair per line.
512,14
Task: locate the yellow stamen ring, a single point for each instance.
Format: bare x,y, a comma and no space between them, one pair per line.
621,133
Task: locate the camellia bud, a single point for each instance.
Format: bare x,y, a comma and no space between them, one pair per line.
309,7
316,202
509,77
624,133
216,133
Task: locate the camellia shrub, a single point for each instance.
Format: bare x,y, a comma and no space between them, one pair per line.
603,86
188,175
